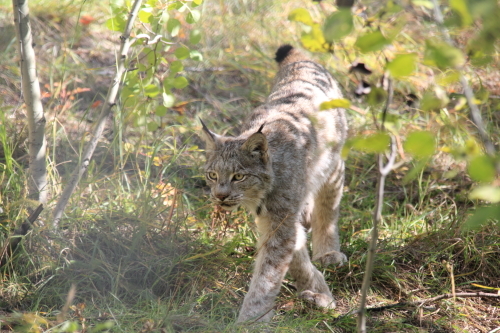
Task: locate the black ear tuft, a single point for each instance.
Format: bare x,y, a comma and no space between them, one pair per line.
283,52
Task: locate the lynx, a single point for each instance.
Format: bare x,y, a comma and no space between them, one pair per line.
285,167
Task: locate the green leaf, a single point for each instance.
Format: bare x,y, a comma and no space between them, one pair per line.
338,25
168,100
100,327
145,15
460,6
193,16
195,55
482,168
195,36
301,15
161,110
176,66
442,55
173,26
487,193
372,41
374,143
481,216
415,171
402,65
376,96
420,144
335,103
197,2
180,82
181,52
116,23
152,126
434,101
314,40
151,90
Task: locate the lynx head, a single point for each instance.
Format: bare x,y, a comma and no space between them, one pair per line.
238,170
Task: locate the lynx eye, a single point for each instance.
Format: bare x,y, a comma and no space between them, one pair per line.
238,176
212,175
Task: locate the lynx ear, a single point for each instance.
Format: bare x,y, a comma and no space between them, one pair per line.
209,137
256,145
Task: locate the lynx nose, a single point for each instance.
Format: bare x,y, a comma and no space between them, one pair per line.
221,196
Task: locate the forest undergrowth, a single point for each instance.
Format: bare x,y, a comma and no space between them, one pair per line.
142,250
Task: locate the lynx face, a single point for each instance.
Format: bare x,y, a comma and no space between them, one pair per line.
237,171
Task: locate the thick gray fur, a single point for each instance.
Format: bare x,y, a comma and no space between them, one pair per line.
289,174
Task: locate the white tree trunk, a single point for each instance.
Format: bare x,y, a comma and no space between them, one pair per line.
101,122
31,93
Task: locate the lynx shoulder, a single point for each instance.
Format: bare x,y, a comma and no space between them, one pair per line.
285,167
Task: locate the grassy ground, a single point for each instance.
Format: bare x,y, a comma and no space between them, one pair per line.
141,244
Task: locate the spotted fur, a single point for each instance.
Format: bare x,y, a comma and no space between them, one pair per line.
285,167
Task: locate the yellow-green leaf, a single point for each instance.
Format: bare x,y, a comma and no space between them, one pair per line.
420,144
314,40
403,65
487,193
116,23
335,103
374,143
151,90
460,6
301,15
482,168
145,14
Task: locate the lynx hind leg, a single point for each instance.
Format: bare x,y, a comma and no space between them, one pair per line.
325,230
310,283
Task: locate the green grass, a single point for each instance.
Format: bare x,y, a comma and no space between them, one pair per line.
146,256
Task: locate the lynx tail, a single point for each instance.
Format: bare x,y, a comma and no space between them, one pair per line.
286,54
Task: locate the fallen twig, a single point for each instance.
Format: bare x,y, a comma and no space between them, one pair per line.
420,303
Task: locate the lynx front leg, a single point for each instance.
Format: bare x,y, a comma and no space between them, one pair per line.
325,231
310,282
275,252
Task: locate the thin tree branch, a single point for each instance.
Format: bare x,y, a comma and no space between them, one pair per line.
475,113
377,217
422,302
31,92
105,112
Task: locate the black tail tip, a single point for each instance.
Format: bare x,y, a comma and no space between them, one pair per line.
283,52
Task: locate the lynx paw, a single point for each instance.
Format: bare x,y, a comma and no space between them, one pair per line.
318,299
332,257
